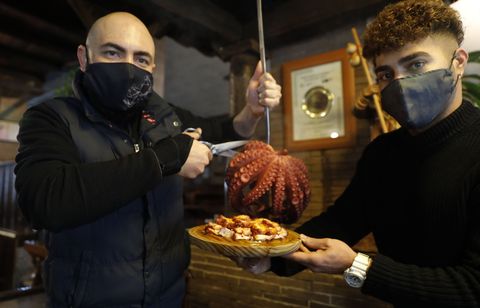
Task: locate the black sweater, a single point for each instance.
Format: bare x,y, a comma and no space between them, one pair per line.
420,196
56,190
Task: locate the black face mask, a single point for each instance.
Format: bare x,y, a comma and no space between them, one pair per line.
118,87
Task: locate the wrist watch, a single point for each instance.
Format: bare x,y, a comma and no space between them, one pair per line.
356,274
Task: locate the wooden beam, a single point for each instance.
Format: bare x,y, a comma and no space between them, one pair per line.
16,84
293,16
87,11
16,61
159,28
238,48
10,109
39,25
49,53
205,14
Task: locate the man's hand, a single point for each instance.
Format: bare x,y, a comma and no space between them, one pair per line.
263,91
253,265
199,157
195,134
327,255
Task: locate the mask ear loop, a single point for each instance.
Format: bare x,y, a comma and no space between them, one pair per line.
86,55
459,76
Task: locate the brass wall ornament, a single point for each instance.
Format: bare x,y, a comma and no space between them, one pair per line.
317,102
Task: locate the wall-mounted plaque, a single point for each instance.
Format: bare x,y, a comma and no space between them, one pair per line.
318,96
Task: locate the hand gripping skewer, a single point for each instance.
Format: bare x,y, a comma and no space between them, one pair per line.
261,43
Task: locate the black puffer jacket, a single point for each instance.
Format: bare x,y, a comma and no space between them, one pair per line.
116,217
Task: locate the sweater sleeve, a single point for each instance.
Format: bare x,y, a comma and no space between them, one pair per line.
57,191
214,129
346,220
456,285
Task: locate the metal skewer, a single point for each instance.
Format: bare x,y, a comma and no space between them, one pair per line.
261,43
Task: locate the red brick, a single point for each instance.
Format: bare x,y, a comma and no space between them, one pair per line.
314,304
336,290
362,301
259,285
274,303
290,282
305,295
287,299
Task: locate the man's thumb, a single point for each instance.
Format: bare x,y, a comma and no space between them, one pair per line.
315,243
258,71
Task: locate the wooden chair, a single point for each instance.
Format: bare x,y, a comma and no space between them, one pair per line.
8,245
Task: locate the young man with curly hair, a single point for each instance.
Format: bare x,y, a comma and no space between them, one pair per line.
424,211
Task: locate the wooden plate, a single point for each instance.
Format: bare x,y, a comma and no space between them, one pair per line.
243,248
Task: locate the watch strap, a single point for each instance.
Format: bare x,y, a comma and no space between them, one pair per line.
358,270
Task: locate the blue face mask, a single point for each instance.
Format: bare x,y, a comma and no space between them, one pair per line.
415,101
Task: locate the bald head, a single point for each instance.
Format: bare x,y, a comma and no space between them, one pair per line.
118,37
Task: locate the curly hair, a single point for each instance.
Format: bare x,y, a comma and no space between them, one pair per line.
407,21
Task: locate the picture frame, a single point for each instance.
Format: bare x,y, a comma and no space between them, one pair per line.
319,93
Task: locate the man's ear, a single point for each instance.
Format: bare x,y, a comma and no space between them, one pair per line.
461,57
82,57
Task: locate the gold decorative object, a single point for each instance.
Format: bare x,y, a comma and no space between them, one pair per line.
371,94
317,102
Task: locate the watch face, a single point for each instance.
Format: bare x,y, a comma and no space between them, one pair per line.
354,279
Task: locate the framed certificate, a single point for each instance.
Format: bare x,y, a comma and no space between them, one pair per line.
318,97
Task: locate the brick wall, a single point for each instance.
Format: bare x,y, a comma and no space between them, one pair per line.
215,281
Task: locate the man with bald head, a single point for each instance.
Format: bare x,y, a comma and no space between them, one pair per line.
102,173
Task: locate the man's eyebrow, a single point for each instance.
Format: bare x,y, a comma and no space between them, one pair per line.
413,56
382,68
403,60
113,45
120,48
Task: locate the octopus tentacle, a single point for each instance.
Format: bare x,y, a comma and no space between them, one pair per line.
294,192
279,190
263,184
248,172
243,159
245,175
260,169
302,175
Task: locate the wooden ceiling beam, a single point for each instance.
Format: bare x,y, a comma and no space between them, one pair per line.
25,64
87,11
159,27
292,17
5,113
205,14
49,53
241,47
39,25
16,84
